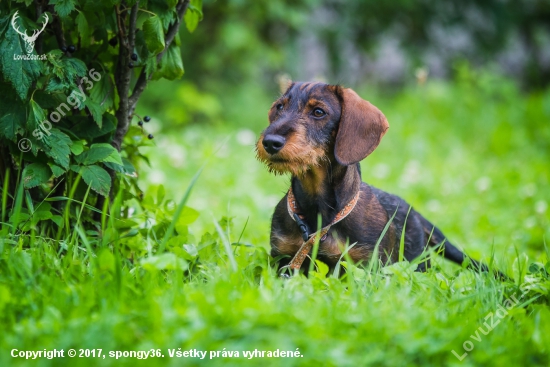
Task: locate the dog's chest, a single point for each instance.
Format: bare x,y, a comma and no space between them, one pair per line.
288,241
330,247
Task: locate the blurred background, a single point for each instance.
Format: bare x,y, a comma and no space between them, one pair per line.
464,85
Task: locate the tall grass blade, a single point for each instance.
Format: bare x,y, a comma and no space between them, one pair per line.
315,249
373,262
179,209
17,206
336,271
226,245
5,189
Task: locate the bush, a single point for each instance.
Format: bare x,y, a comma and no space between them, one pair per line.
69,94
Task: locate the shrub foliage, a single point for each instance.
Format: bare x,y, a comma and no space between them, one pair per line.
71,75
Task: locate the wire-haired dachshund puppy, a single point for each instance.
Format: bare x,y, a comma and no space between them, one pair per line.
319,133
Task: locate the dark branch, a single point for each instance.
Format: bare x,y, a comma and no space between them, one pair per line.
124,74
181,8
133,20
123,77
143,79
57,28
40,41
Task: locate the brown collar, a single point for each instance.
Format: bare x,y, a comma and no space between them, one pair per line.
304,250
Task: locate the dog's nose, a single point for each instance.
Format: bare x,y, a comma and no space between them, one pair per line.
273,143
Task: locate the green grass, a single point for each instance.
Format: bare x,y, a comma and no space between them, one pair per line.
472,156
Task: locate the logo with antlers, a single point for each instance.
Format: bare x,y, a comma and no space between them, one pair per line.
29,40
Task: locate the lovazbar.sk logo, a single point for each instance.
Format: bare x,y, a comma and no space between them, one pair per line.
29,40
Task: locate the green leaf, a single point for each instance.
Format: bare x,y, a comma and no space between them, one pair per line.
127,168
188,216
83,29
97,178
35,174
193,15
12,113
151,65
141,45
20,73
73,67
36,126
55,84
101,152
103,93
166,261
63,7
154,34
322,269
39,216
54,63
4,23
171,65
36,117
114,157
57,146
85,130
56,170
191,20
191,250
77,147
96,110
49,101
63,71
166,14
57,219
107,260
43,212
171,3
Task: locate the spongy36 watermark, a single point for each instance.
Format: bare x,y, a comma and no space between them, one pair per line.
75,100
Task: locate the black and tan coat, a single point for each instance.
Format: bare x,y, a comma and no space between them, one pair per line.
319,133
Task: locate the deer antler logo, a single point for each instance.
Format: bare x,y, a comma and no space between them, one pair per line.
29,40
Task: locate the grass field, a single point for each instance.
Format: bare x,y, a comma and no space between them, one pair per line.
473,156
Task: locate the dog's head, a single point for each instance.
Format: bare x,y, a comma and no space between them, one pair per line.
315,122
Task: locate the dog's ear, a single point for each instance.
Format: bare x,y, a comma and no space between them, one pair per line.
362,126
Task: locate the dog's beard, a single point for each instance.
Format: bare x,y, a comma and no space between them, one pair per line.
278,168
295,165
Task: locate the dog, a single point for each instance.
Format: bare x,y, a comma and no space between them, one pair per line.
319,133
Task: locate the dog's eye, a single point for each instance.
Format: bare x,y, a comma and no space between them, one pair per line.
280,107
319,112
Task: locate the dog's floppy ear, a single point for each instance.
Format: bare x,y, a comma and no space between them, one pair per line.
362,126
